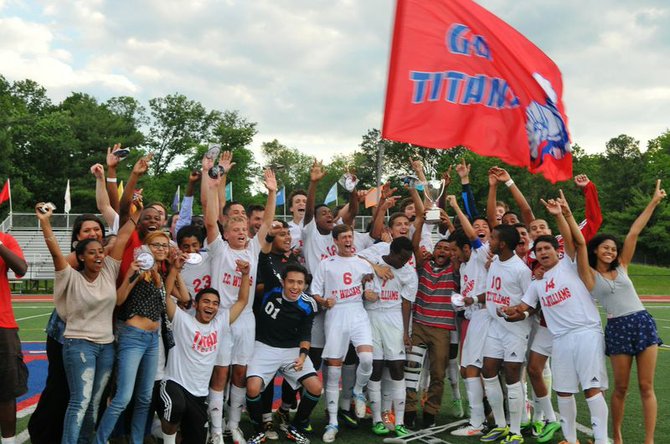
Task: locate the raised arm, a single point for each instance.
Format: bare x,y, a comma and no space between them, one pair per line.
270,206
463,170
630,243
174,283
186,210
465,222
122,237
111,185
128,283
586,273
492,198
527,215
416,238
592,212
226,163
140,168
52,243
101,195
212,208
352,211
243,296
316,174
553,206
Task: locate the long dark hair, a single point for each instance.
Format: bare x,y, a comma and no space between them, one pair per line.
78,222
80,248
595,243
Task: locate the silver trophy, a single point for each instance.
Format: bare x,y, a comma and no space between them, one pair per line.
433,190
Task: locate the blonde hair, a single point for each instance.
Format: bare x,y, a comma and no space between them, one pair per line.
151,236
234,220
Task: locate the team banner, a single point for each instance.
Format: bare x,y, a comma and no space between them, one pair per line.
459,75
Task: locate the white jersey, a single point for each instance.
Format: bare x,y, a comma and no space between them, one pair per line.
191,361
473,272
506,283
403,286
381,249
296,234
340,278
199,276
426,236
226,278
362,241
566,303
317,246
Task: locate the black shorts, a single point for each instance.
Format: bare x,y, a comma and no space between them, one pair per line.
13,371
177,405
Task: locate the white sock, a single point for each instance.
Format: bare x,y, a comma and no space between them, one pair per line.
453,372
333,392
516,406
387,399
495,396
375,397
525,412
215,409
398,390
546,375
547,408
538,413
364,371
169,439
475,392
237,398
567,407
598,408
8,440
348,380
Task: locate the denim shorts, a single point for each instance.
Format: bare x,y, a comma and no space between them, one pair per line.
631,334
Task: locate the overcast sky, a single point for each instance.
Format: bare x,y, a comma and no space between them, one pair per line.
312,73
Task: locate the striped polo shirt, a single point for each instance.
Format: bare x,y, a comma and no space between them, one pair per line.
433,300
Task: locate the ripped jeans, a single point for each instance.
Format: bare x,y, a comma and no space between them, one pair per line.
88,367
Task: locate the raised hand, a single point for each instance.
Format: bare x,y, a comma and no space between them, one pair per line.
43,211
194,177
451,200
226,161
417,166
659,193
142,164
387,191
563,202
243,266
581,180
113,160
493,179
98,171
502,175
446,176
275,228
463,169
270,180
317,172
553,206
207,163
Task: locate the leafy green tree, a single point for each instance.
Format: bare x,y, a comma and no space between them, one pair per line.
291,166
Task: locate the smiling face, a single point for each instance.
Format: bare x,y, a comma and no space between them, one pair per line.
324,219
606,252
206,308
92,257
546,255
482,229
236,210
524,241
236,233
410,211
161,212
500,210
159,246
282,241
90,230
255,222
400,226
441,253
510,219
298,204
150,220
190,244
537,228
294,285
345,243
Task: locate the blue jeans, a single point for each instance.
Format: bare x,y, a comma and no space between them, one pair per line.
137,359
88,367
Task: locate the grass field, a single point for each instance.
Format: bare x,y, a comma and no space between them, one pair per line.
32,318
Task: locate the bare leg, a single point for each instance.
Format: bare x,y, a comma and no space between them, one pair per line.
621,365
646,367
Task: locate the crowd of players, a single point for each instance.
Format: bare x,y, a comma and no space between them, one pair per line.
193,316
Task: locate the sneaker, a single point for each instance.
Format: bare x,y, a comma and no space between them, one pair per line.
308,427
457,408
270,432
548,431
495,434
536,428
526,428
513,438
380,429
296,435
401,431
238,436
330,433
347,418
361,403
468,430
217,438
428,420
388,418
257,438
283,419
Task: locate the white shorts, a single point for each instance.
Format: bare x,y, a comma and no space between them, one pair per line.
345,325
268,360
472,353
503,344
387,334
541,340
224,353
318,331
241,347
579,359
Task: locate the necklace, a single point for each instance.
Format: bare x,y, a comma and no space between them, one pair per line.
611,283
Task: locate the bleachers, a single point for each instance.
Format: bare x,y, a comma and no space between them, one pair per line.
40,265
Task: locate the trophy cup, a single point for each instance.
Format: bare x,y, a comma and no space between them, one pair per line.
433,190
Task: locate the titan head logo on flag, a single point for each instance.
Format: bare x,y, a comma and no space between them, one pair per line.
459,75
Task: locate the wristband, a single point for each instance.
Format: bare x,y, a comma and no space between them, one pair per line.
526,314
269,239
111,179
509,183
304,351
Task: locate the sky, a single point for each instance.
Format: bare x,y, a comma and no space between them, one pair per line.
312,73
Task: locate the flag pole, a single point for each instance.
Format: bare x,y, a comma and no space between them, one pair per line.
284,188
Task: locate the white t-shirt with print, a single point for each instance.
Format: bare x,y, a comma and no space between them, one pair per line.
226,278
506,283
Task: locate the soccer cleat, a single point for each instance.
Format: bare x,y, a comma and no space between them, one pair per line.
495,434
217,438
468,430
359,399
270,432
283,418
536,428
380,429
513,438
428,420
388,418
296,435
548,431
256,438
347,418
238,436
401,431
457,408
526,428
330,433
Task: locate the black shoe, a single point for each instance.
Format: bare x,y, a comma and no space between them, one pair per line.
410,420
295,434
348,418
428,420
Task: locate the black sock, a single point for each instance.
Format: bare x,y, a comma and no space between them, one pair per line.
288,395
307,404
267,396
255,409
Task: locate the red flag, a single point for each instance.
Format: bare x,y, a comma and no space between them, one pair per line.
459,75
4,194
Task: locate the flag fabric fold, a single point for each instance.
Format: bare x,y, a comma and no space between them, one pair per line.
281,196
332,194
68,203
175,200
5,193
229,191
459,75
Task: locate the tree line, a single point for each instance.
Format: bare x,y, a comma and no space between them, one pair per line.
43,144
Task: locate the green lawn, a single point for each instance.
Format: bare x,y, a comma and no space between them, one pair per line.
32,329
650,280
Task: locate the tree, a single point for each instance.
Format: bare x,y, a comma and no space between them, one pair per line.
621,168
291,166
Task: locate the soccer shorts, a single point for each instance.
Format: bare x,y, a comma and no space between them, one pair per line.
578,358
387,334
503,344
345,325
541,340
473,346
268,360
318,330
177,405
